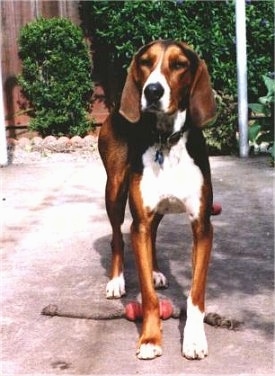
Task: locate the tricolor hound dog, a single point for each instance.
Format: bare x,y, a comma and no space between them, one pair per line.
154,152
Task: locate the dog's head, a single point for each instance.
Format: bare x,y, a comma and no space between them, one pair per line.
166,77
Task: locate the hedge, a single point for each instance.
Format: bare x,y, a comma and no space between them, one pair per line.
119,28
56,76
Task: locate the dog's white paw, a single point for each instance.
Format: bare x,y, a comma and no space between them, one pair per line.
149,351
160,281
116,287
194,338
194,345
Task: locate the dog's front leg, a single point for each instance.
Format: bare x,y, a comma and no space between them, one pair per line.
149,345
194,341
116,197
113,150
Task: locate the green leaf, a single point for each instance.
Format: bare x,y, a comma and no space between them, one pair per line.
270,84
253,132
272,151
257,107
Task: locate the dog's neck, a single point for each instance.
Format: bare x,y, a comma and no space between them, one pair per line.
168,131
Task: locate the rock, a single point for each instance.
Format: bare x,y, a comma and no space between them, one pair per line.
64,140
37,140
77,141
89,140
24,142
49,140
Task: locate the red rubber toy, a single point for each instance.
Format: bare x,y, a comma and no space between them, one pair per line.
216,209
165,309
133,310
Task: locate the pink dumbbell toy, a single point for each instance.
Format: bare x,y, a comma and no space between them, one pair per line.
216,209
133,310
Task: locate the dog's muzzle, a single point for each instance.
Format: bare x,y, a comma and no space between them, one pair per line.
153,93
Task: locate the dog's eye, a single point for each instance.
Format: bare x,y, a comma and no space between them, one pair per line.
178,65
145,62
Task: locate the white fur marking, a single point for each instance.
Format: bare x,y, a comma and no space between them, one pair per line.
154,77
160,281
179,120
149,351
175,186
116,287
194,339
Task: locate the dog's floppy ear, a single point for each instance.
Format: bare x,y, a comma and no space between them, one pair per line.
202,107
130,98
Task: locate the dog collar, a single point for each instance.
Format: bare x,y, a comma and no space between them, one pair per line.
165,143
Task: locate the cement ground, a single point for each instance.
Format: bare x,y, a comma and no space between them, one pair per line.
55,250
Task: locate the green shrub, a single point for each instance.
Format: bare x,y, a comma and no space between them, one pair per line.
221,135
262,128
119,28
56,76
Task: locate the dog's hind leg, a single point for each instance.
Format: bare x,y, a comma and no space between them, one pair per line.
160,281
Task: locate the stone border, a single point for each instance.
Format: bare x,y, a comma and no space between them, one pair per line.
54,144
38,149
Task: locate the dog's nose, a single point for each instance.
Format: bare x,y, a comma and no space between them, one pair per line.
153,92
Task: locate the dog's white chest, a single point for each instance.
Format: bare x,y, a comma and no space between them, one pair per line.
174,186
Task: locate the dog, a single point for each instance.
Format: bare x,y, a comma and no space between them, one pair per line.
155,154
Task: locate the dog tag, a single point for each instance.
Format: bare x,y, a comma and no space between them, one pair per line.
159,157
